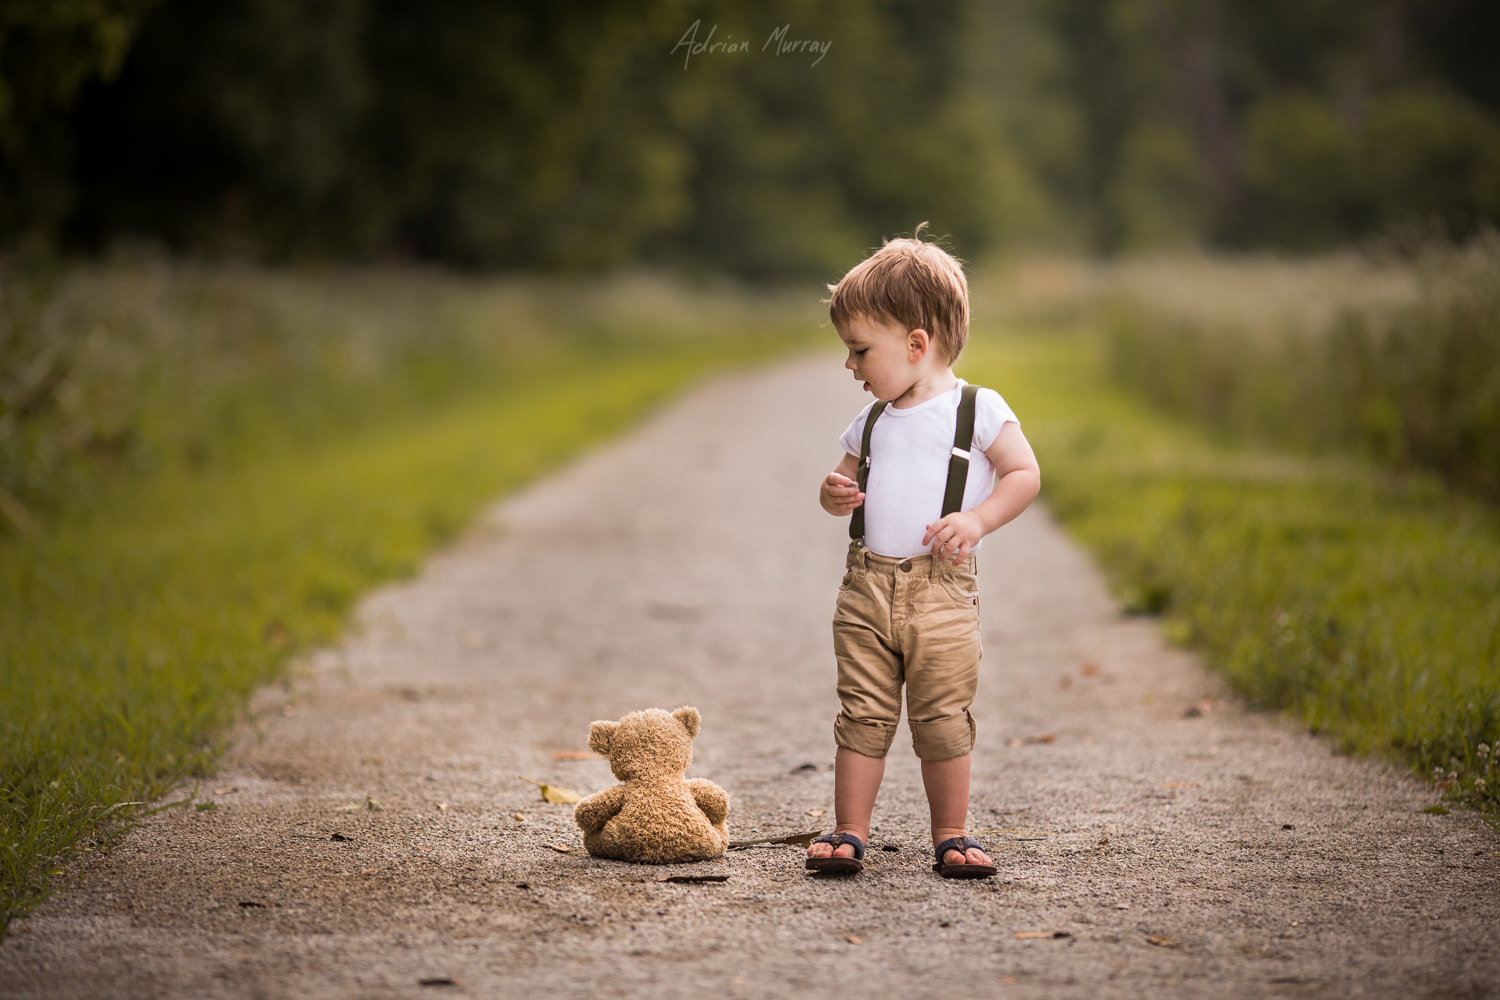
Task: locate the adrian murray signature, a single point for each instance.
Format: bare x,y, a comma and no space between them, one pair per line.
777,42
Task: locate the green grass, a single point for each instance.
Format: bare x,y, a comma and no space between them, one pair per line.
1367,606
153,595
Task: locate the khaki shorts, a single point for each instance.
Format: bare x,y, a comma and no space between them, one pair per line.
911,622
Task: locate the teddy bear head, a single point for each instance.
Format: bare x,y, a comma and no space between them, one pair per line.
647,743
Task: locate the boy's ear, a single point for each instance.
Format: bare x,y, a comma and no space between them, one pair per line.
599,736
690,719
918,342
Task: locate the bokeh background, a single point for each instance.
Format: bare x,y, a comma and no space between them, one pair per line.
584,135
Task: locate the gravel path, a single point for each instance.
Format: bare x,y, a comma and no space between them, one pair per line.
372,838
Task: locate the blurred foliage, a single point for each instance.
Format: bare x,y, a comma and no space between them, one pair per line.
137,367
708,134
1394,356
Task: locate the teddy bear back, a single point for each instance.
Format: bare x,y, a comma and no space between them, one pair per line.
651,743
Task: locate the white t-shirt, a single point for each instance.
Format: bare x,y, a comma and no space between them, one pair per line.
909,453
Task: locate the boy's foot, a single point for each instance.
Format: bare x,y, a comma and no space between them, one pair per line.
962,857
840,852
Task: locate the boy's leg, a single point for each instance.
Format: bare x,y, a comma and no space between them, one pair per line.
856,780
947,785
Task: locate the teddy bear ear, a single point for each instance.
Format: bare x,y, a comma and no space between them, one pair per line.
690,719
599,736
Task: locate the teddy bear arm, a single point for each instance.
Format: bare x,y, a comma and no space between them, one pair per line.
712,799
593,812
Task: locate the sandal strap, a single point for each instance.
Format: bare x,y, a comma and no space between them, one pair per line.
959,844
838,839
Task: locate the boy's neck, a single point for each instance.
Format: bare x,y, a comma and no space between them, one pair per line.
927,385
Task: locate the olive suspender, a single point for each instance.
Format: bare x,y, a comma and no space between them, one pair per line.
958,461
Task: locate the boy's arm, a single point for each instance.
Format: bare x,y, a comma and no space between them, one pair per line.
1020,480
839,493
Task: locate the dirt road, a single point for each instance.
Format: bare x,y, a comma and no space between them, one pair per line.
370,836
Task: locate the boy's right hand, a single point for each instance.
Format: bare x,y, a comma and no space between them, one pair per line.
839,494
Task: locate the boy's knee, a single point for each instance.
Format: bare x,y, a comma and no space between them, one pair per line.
872,739
943,739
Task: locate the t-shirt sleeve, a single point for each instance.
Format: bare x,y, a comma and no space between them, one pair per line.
991,413
852,438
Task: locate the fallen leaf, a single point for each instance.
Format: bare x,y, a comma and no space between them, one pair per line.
1011,980
854,939
442,807
1162,942
1041,738
368,804
718,861
554,793
693,879
815,813
225,791
367,871
518,817
1180,784
1089,670
1103,841
560,848
575,755
1039,935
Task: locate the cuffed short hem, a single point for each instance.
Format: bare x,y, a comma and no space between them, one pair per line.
943,739
870,739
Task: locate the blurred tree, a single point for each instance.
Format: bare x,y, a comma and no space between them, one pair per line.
48,50
774,138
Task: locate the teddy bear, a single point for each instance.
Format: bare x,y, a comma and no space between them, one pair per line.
657,816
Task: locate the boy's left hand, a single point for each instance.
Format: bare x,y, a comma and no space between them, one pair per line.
955,535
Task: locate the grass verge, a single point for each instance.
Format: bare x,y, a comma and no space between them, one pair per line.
157,597
1367,606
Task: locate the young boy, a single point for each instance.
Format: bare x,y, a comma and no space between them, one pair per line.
908,609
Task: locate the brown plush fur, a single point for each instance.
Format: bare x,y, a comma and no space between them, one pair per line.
657,816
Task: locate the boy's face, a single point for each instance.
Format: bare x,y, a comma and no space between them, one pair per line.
880,356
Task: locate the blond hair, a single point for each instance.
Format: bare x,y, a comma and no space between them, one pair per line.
912,282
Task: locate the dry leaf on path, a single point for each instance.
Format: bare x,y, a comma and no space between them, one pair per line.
555,794
1161,942
1041,738
854,939
518,817
1180,784
815,813
694,879
368,804
1039,935
575,755
560,848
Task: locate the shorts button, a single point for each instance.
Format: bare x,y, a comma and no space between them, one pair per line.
906,566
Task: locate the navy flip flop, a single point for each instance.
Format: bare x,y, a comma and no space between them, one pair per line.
961,844
839,866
